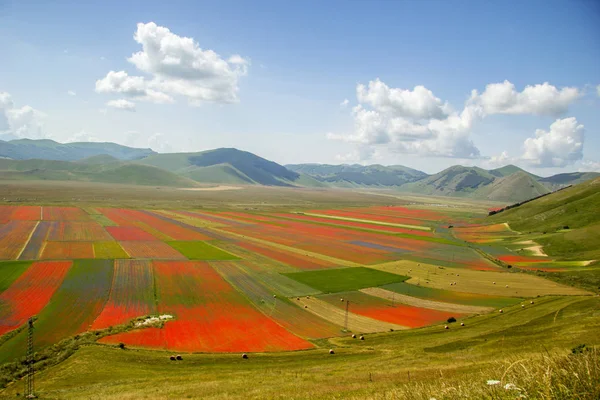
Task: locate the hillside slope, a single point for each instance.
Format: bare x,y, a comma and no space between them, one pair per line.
358,175
25,149
568,221
453,181
227,165
516,187
113,172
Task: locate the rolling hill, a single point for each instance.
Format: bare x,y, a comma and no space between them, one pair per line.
456,180
568,221
358,175
228,165
25,149
110,162
91,170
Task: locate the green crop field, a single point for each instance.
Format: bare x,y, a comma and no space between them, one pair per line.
345,279
201,251
10,271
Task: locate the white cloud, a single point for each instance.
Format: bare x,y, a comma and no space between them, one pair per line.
71,93
177,67
121,104
560,146
541,99
392,126
420,103
598,90
359,155
589,166
135,87
159,143
21,122
83,136
5,104
344,103
417,122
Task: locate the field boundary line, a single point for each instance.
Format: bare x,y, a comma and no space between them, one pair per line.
292,249
431,304
28,240
368,221
356,322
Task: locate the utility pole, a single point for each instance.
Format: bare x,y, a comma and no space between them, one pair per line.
29,383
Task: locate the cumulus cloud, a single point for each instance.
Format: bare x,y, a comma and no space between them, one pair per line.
344,103
428,127
560,146
135,87
22,122
122,104
176,66
589,166
416,121
541,99
419,103
83,136
71,93
159,143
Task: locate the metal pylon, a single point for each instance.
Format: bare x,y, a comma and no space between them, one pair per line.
29,383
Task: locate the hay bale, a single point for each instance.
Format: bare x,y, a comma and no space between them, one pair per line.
446,327
298,298
308,297
501,311
244,356
362,337
353,336
172,358
522,305
462,324
531,302
341,299
331,351
274,296
494,283
305,306
178,357
506,285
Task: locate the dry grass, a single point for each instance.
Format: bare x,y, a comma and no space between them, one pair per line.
481,282
431,304
557,377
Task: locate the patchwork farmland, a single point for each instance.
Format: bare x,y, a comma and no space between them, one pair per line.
240,281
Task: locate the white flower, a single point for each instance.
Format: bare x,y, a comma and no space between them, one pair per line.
492,382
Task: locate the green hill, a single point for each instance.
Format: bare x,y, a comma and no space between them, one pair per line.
25,149
561,180
568,221
228,165
358,175
453,181
516,187
111,172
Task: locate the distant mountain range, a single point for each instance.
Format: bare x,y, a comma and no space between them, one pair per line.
25,149
112,163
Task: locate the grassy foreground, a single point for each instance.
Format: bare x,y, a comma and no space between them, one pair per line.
416,364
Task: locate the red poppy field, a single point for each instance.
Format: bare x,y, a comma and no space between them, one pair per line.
104,267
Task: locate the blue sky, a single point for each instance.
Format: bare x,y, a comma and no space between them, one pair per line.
280,73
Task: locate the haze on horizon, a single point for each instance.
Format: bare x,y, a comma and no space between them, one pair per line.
422,84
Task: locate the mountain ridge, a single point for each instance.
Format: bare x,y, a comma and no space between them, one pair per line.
105,161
